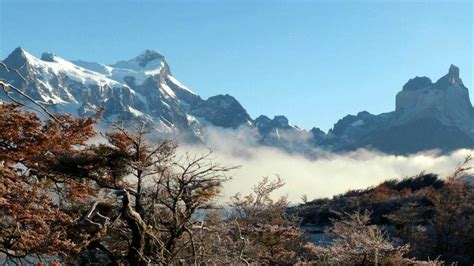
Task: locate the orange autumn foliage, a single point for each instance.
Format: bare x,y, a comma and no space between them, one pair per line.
34,219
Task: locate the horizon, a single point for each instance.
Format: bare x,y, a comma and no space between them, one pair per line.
263,52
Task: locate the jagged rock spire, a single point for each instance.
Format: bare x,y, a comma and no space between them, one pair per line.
453,76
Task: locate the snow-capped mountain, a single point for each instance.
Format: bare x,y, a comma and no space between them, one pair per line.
427,115
141,88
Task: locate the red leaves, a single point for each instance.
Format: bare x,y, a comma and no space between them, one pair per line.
33,216
30,220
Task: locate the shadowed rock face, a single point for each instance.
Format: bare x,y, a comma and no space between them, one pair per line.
427,116
418,135
223,111
417,83
265,124
450,79
447,100
148,56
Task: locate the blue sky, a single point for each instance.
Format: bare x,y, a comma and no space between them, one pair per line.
313,61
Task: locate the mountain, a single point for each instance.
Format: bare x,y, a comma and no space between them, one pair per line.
427,115
223,111
138,89
141,88
278,132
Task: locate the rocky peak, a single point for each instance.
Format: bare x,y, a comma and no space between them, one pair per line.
278,121
450,79
417,83
262,119
281,121
19,51
447,101
265,124
350,123
223,101
48,57
222,111
453,75
317,133
148,56
364,115
145,61
17,58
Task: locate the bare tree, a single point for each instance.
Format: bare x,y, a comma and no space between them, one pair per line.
361,243
160,196
266,231
451,234
8,88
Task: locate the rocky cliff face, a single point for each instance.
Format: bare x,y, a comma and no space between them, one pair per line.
223,111
427,116
446,100
278,132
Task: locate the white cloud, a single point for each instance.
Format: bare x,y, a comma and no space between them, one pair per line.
326,176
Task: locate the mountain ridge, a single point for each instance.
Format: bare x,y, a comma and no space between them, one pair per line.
143,88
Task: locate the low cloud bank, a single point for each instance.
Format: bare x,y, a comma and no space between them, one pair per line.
326,176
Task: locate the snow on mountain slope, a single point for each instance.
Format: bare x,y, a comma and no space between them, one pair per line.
83,89
141,88
136,70
149,75
55,79
53,64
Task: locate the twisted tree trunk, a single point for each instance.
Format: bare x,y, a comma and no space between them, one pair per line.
138,227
